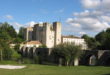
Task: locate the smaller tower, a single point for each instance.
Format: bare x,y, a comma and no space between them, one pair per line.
57,29
37,31
28,34
46,33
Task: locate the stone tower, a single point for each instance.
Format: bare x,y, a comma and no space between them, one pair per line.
28,34
57,29
37,32
48,35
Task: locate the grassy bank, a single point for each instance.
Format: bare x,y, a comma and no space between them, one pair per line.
8,62
55,70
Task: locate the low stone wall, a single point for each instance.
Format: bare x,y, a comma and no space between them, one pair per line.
90,57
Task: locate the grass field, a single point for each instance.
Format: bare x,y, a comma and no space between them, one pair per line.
55,70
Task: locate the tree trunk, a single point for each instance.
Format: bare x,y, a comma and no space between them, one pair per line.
67,63
76,62
1,55
60,61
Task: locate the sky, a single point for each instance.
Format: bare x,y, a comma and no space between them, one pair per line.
78,17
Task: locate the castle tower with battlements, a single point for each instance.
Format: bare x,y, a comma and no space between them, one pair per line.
46,33
28,33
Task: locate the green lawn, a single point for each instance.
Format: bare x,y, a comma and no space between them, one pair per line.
55,70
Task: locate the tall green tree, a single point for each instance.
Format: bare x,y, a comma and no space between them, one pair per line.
11,31
1,50
7,32
67,52
101,38
5,51
21,32
104,39
7,36
92,43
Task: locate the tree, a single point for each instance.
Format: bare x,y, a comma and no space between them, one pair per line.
92,43
43,46
6,51
4,36
106,43
18,40
67,52
1,51
15,55
21,32
104,39
11,31
7,32
16,48
7,35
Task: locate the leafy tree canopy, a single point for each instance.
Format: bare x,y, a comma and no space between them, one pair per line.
68,52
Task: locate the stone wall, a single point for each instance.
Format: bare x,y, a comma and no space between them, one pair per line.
89,57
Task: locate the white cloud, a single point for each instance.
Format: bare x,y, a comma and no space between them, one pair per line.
85,13
17,25
40,22
32,23
82,33
90,23
9,17
88,13
17,30
91,3
94,19
44,11
106,18
60,11
72,23
103,5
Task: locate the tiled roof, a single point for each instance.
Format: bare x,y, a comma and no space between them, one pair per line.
70,37
33,42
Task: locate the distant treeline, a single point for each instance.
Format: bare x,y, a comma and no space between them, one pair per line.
8,36
100,41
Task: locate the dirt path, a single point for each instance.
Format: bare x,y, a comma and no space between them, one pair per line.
11,67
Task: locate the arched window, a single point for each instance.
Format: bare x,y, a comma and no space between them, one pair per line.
92,60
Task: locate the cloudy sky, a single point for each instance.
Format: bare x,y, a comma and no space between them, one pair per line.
78,17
